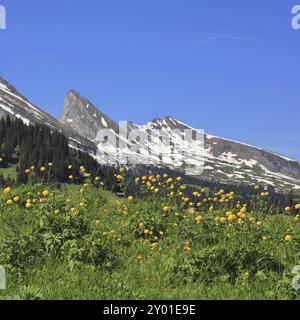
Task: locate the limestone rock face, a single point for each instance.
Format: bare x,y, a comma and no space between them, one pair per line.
82,116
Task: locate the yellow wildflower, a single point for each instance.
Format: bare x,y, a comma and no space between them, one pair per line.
7,190
288,237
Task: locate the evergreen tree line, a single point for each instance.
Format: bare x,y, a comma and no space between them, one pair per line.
37,145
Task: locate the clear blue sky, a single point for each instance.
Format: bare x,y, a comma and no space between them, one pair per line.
228,67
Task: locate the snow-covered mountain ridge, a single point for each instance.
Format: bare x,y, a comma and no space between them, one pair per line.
224,160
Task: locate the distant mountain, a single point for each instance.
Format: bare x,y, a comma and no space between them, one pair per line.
225,161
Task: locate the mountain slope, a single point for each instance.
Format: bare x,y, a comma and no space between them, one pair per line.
224,160
14,104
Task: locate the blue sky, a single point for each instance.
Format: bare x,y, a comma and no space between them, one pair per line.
228,67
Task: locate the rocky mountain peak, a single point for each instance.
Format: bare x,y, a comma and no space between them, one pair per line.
81,115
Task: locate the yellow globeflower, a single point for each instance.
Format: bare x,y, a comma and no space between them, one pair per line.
42,169
229,213
7,190
97,179
32,168
45,193
198,219
139,258
297,206
137,180
56,211
243,210
74,211
156,190
144,178
130,198
70,166
232,217
252,220
265,194
50,164
165,209
119,177
71,177
222,219
28,205
16,198
9,202
179,178
288,237
81,205
287,209
122,170
27,171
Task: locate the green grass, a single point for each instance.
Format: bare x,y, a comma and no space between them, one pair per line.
112,248
9,172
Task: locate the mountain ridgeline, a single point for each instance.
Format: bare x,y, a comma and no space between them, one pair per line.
226,162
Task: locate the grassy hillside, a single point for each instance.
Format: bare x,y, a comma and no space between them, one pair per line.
82,242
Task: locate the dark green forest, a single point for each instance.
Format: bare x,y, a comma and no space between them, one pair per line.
34,145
